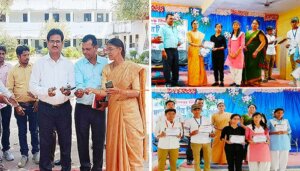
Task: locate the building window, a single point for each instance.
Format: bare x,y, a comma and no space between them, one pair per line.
99,43
136,38
25,17
25,41
68,17
87,17
100,17
46,17
67,43
107,18
56,17
2,18
130,39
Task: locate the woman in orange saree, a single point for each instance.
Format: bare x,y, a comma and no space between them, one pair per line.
126,121
196,70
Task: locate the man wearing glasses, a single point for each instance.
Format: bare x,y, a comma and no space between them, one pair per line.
52,80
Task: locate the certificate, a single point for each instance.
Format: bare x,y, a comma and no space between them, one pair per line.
172,131
205,128
202,136
281,127
259,138
237,139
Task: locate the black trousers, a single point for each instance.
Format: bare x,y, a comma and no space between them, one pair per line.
234,156
59,117
171,65
218,66
6,115
86,118
189,151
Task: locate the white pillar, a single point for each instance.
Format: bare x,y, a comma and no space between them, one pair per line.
71,41
7,18
93,16
29,17
50,15
71,16
29,42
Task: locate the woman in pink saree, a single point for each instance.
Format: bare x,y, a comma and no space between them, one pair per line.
126,121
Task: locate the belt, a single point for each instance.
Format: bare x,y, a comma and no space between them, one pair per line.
54,106
27,103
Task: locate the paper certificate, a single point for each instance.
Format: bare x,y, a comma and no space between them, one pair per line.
237,139
281,127
202,136
259,138
172,131
205,128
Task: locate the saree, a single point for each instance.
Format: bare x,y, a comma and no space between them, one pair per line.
253,66
126,121
218,147
196,69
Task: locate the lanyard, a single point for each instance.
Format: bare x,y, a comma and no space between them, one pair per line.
168,125
198,122
295,34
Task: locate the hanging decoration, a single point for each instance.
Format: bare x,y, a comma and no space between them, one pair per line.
177,20
195,12
227,35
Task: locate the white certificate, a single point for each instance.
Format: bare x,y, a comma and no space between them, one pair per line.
237,139
281,127
205,128
172,131
259,138
202,136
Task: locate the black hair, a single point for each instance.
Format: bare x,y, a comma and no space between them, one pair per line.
118,43
168,101
198,99
55,31
89,37
263,124
234,115
193,22
256,21
219,24
20,49
168,15
269,28
278,109
238,31
170,110
252,105
3,48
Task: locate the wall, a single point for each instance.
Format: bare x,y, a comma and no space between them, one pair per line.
283,27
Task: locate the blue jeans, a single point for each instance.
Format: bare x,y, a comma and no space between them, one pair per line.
6,115
32,118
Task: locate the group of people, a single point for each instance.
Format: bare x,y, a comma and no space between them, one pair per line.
248,53
224,138
41,92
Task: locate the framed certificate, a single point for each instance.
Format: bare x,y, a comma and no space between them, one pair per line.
172,131
281,127
237,139
259,138
205,128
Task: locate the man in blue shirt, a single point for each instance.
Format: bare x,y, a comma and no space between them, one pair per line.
88,73
170,57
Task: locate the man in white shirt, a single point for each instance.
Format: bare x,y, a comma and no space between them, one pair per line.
52,79
270,55
293,35
170,104
200,133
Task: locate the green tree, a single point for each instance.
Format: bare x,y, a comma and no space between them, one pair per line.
4,8
10,43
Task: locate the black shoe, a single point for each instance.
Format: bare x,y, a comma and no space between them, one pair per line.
232,84
215,84
265,81
272,79
222,84
237,85
189,162
175,85
57,162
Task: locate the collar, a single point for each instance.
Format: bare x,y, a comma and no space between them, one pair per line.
61,57
98,61
19,65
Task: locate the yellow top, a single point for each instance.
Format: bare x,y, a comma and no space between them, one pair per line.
18,82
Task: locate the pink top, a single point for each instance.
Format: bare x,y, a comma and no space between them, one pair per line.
4,71
258,152
234,44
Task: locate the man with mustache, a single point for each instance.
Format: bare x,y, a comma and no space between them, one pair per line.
5,110
17,83
52,79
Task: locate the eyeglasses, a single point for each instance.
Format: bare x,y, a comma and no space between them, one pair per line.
110,49
55,41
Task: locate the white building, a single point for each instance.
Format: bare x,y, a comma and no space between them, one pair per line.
26,18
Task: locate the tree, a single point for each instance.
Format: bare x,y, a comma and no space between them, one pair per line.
50,24
10,43
4,8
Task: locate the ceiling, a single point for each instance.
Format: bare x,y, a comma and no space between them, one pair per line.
245,5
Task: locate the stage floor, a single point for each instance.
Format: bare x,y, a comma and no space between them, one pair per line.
293,164
210,78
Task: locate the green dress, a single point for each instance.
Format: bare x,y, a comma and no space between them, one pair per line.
253,66
247,119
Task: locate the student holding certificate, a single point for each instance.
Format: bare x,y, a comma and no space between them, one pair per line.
279,140
168,134
234,137
257,134
200,133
